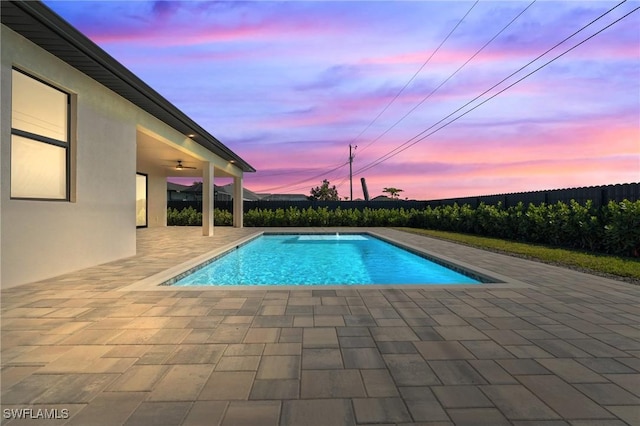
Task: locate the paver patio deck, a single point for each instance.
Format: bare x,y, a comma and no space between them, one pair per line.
565,350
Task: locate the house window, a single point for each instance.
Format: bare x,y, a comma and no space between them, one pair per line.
141,200
40,153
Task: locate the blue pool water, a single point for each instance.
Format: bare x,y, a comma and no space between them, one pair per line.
321,260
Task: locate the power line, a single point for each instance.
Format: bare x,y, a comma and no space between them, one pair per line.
306,180
412,78
399,148
389,155
452,75
326,176
294,172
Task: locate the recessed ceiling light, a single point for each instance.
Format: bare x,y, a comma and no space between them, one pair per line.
232,161
191,135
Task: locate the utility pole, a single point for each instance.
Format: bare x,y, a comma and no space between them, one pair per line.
351,155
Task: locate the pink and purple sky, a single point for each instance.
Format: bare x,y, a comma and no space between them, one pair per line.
289,85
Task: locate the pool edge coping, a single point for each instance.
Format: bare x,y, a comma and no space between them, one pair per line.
155,282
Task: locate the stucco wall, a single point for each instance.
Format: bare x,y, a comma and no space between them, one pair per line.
157,187
41,239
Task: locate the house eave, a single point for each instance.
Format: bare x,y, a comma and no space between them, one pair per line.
39,24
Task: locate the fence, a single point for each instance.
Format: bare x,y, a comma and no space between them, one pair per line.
599,195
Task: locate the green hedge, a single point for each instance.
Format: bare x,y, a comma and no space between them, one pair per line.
614,228
192,217
322,216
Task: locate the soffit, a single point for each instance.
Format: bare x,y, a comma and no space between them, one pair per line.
157,154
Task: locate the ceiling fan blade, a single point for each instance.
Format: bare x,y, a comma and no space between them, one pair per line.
179,166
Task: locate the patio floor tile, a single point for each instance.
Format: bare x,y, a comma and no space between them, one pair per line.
362,358
279,367
460,332
238,363
181,383
331,384
518,403
251,413
317,412
630,382
275,389
324,337
609,394
477,416
628,413
205,413
563,398
282,349
461,397
422,404
321,359
196,354
445,350
559,347
139,378
410,370
108,408
571,371
379,383
456,373
393,334
159,414
227,385
380,410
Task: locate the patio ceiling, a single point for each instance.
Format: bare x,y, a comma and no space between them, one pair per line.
162,157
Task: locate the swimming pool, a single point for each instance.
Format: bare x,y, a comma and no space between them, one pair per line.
319,259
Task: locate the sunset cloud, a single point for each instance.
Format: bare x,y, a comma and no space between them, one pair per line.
289,85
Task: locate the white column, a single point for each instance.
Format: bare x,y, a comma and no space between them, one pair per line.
207,199
238,204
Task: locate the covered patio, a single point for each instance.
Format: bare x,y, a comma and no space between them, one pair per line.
158,158
563,350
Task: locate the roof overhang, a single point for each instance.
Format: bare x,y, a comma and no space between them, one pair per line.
39,24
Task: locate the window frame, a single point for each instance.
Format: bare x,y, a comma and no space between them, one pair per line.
46,140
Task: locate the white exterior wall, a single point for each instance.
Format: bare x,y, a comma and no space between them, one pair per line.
43,239
157,200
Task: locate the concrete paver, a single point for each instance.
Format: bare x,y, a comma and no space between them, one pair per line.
557,347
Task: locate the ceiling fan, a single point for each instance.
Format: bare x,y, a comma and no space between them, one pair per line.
179,166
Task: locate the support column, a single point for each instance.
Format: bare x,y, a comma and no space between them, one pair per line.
238,203
207,199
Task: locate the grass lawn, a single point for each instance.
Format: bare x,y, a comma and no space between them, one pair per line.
627,269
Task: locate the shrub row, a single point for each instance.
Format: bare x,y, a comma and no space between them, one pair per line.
613,228
191,217
322,216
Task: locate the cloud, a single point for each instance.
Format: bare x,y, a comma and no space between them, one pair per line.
289,85
331,77
164,9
